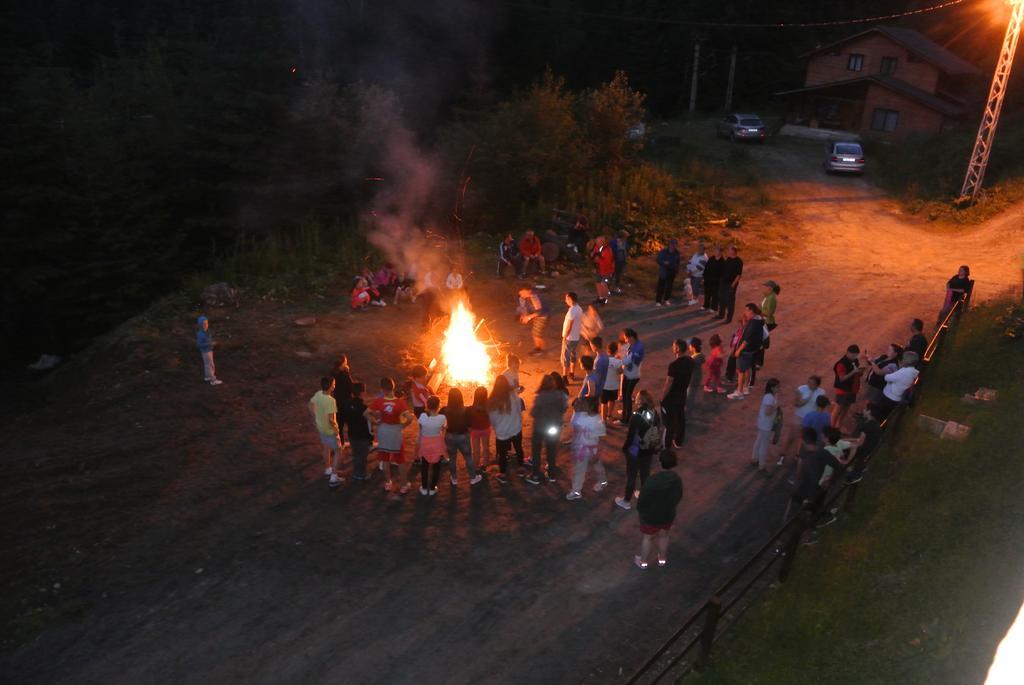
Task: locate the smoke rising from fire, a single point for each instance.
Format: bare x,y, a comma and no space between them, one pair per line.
411,60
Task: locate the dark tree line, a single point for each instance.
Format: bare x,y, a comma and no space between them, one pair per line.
137,137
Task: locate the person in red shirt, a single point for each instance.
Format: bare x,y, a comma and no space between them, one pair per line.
391,415
848,371
418,389
604,260
530,251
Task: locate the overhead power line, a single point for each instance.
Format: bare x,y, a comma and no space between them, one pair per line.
738,25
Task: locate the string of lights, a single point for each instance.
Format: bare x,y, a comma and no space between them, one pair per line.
741,25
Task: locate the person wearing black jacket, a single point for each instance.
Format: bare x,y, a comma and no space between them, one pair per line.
673,399
918,343
548,414
508,256
342,375
712,273
728,282
359,435
657,504
643,439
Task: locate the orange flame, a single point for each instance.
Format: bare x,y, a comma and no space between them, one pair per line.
463,353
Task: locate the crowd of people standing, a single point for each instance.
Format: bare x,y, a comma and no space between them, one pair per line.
822,436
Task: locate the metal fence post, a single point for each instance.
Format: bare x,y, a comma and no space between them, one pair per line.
712,612
792,544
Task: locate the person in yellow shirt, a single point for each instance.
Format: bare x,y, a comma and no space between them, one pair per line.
325,413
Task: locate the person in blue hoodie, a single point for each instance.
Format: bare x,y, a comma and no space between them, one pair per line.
668,267
205,343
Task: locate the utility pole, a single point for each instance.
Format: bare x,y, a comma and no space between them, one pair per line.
693,79
990,119
732,78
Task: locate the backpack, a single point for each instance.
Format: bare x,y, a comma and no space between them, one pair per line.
650,437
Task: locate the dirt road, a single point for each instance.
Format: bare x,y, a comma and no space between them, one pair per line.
165,531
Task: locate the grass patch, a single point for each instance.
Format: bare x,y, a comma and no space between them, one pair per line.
926,172
287,264
920,583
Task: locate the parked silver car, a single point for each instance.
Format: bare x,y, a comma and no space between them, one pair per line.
742,127
844,157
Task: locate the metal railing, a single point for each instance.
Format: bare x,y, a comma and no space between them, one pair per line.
674,654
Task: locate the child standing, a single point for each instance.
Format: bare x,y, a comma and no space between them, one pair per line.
610,391
359,435
480,428
392,415
205,343
511,372
697,379
431,445
590,387
713,367
418,390
766,417
505,410
587,429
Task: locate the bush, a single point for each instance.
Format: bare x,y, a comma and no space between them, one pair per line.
548,147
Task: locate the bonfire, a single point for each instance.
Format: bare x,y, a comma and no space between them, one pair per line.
466,358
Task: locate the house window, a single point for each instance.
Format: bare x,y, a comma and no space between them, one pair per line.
888,65
855,62
884,120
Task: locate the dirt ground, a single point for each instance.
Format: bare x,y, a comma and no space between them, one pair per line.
160,530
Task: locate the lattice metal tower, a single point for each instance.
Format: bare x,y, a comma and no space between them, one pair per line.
994,104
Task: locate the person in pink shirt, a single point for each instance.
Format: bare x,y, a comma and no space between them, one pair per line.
713,365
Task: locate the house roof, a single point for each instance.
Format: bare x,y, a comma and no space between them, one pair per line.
903,88
917,43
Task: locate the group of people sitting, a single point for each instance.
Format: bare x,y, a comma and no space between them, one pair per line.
374,288
608,255
424,285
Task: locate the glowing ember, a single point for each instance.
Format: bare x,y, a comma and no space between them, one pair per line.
464,355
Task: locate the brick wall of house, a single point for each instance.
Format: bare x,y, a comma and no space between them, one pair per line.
827,68
913,117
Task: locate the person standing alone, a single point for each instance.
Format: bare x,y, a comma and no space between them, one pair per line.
205,343
673,399
668,267
728,282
